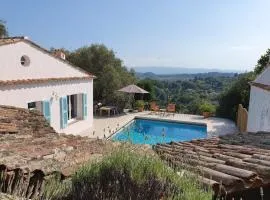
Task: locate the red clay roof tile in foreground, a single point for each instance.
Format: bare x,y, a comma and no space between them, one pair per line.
30,151
41,80
224,167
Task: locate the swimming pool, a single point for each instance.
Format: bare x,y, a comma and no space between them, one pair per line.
145,131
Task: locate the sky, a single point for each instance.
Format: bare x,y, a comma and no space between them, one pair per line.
228,35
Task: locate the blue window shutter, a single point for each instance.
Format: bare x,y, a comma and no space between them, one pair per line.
47,110
63,112
84,104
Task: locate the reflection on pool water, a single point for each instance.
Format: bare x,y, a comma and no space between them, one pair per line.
142,131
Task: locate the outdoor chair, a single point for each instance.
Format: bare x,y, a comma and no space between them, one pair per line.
154,107
171,108
97,106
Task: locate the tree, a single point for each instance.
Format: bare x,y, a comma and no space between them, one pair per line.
237,94
109,70
148,85
3,29
262,62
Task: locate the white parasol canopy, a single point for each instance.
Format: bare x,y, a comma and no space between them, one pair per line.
133,89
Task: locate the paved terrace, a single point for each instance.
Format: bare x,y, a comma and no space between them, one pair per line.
109,125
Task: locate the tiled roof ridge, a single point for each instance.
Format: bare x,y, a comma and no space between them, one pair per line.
260,85
14,37
41,80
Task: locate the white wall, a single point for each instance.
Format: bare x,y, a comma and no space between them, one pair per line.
20,95
41,65
259,110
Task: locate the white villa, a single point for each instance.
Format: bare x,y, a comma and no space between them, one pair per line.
34,78
259,103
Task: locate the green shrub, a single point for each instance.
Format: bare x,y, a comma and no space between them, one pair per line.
127,175
237,94
207,107
55,189
139,104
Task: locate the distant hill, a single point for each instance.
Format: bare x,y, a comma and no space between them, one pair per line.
174,77
179,70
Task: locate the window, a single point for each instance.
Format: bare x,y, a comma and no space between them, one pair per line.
72,107
32,105
25,61
37,105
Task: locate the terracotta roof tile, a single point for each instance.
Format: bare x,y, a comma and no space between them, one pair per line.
222,166
41,80
10,40
260,85
30,148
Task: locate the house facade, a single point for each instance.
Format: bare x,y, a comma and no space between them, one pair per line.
259,103
34,78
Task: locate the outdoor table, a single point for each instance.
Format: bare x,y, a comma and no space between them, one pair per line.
107,109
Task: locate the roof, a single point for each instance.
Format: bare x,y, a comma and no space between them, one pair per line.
224,167
264,77
31,152
13,40
260,85
28,135
10,40
41,80
29,147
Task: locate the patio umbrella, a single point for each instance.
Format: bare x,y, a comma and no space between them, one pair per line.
133,89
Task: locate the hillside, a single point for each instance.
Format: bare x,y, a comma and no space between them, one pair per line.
187,91
180,70
176,77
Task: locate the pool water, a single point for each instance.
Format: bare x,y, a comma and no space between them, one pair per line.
142,131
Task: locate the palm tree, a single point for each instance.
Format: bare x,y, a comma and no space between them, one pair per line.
3,29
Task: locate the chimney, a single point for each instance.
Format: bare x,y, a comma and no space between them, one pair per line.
59,54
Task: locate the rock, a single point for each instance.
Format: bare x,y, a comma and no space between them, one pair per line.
69,148
51,156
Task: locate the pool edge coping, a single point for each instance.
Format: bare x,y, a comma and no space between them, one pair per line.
172,120
117,130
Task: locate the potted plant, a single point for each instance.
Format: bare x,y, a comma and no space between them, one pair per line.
207,109
139,105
